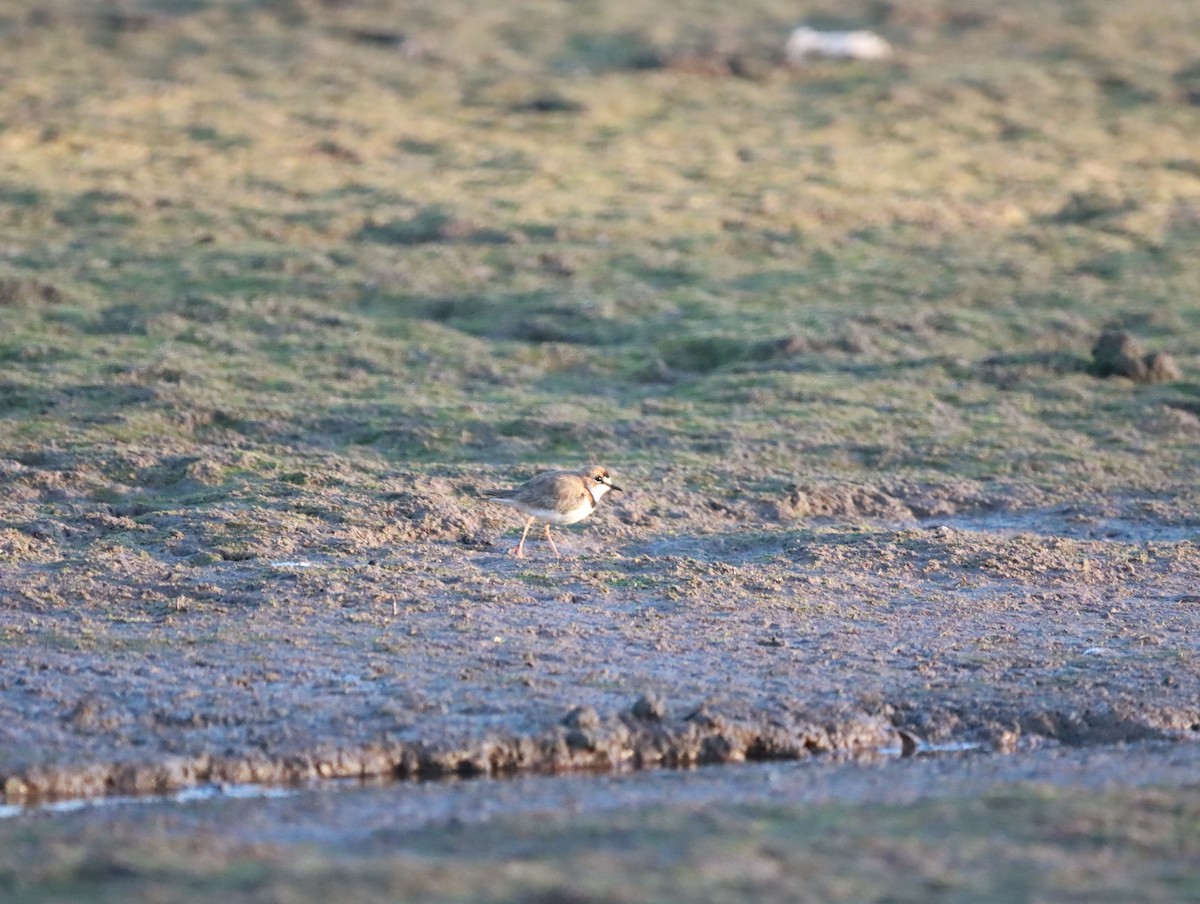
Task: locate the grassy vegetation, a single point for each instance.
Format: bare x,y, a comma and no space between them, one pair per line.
296,227
1008,845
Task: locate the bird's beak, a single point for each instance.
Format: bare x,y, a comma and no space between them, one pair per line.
613,486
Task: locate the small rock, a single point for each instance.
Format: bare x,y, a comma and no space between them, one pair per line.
721,749
579,739
649,708
805,42
582,717
1161,368
1117,353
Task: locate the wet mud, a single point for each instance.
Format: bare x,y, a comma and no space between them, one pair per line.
403,641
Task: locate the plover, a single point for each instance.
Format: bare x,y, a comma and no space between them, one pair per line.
556,497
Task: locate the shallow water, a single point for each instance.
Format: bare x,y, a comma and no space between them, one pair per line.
210,791
185,796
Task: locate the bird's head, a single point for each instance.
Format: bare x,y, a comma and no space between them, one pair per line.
598,480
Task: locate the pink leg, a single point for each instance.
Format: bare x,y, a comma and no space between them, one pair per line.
551,539
521,546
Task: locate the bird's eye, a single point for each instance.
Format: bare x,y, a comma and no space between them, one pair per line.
599,478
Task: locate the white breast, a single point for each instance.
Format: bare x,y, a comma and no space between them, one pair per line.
556,517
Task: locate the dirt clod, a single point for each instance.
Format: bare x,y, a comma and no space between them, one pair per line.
583,717
1118,353
649,708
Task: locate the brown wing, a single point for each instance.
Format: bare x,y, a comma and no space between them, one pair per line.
557,490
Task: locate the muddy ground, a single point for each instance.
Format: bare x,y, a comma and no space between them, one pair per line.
741,638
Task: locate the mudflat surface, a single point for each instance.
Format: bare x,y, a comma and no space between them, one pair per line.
777,640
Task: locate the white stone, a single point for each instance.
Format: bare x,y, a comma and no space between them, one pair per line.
807,42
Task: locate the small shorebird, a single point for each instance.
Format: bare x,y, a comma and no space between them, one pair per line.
556,497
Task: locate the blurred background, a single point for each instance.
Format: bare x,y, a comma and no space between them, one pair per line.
245,241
